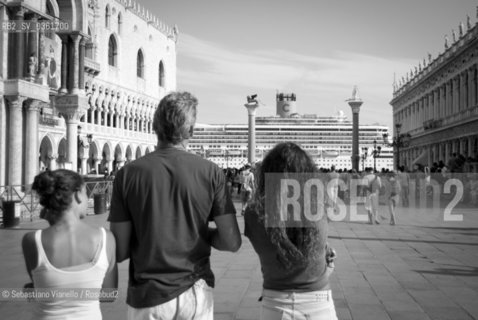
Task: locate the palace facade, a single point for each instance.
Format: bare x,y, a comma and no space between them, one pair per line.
74,89
435,106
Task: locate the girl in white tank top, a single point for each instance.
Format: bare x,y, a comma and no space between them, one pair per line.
70,259
81,279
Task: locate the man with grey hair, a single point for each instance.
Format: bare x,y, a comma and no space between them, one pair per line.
160,211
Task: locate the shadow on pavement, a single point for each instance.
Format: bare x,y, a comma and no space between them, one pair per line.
469,272
403,240
453,228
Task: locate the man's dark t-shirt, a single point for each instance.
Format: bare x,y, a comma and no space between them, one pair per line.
169,196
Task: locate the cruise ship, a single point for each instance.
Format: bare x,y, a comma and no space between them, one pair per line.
328,139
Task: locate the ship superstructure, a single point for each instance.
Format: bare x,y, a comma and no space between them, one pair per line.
327,139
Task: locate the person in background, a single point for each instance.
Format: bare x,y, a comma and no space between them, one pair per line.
295,261
395,190
161,207
333,188
404,179
69,253
373,184
229,180
248,186
237,181
419,178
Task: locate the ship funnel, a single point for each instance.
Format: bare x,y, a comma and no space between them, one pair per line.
286,104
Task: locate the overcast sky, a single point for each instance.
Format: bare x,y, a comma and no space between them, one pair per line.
317,49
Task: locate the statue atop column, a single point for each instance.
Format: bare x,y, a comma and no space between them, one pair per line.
252,99
32,66
355,94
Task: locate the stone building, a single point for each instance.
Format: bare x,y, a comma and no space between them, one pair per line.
436,104
79,83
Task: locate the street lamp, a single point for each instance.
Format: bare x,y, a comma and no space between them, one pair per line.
363,157
399,140
376,152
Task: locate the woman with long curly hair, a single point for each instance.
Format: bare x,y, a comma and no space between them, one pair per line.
294,257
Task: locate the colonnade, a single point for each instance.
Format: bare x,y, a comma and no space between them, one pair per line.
26,92
450,98
442,151
112,107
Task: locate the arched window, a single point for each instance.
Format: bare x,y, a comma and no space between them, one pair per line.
50,12
120,23
107,16
140,64
112,52
161,74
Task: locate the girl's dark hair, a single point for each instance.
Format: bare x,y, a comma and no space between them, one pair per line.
296,246
56,188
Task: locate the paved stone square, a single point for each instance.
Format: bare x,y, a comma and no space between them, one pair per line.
423,268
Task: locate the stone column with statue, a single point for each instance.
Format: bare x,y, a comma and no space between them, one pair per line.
355,103
251,106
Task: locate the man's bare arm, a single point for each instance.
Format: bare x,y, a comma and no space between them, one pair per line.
122,233
226,237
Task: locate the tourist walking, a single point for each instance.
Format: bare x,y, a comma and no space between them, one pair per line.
404,179
237,181
395,190
248,186
332,188
373,185
294,260
161,207
69,254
